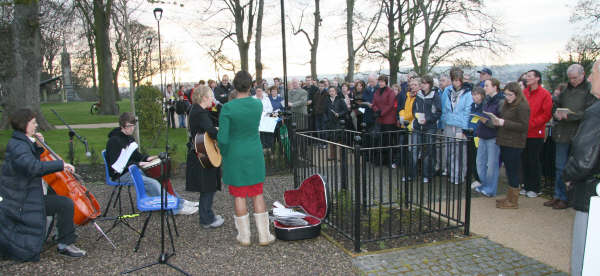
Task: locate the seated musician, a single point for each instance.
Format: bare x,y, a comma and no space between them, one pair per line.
199,179
24,203
121,138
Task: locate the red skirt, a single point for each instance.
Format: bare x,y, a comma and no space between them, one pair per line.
246,191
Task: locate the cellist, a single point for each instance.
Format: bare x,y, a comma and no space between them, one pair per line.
25,201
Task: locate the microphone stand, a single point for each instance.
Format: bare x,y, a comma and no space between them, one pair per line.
71,134
163,258
88,154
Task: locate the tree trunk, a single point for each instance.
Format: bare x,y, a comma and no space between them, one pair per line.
350,39
257,44
393,54
93,62
243,43
103,55
243,49
315,44
22,63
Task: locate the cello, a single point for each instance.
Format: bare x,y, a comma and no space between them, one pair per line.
64,183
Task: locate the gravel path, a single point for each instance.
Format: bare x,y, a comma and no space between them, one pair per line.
199,251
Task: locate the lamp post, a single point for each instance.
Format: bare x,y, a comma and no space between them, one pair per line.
149,56
164,257
158,16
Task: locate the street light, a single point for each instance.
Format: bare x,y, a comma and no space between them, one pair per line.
158,16
148,66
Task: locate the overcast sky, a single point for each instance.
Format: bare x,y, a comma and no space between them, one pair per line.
537,29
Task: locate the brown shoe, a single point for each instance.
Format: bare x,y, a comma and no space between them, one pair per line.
550,203
560,204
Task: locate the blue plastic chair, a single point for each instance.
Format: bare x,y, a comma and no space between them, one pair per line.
117,186
149,204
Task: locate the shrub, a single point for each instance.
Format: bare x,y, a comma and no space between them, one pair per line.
148,106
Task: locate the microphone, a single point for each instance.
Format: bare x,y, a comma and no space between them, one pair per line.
87,150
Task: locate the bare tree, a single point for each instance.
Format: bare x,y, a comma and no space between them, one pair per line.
56,19
373,21
257,44
102,13
20,61
87,21
314,41
446,27
120,48
588,12
392,43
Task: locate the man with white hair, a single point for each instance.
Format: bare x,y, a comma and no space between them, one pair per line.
568,113
367,96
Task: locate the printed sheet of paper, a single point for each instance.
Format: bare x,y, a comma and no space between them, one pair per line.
564,110
267,124
121,162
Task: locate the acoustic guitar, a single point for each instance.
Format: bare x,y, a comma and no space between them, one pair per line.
207,151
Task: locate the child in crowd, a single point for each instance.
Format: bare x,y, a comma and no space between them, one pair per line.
478,95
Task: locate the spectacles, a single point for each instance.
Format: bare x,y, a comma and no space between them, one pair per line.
126,126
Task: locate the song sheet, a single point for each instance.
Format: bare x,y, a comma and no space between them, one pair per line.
267,124
121,162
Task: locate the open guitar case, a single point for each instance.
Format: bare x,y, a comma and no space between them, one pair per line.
311,197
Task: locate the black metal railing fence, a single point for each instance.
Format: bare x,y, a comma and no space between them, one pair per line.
387,184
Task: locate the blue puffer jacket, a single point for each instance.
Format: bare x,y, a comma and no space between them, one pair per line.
458,115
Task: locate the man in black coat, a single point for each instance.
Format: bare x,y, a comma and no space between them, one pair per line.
223,89
581,170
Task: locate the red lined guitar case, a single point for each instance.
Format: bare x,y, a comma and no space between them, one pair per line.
311,197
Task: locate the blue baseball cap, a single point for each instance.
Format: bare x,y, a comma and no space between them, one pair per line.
485,70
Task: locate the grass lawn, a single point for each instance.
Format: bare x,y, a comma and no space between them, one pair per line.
79,113
58,140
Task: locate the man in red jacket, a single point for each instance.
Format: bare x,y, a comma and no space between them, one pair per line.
540,104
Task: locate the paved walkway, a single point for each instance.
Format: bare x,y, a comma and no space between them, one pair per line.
477,256
531,240
101,125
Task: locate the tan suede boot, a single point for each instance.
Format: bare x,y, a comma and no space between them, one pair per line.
242,224
262,226
513,200
501,201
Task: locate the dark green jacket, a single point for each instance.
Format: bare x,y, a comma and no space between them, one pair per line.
239,142
577,99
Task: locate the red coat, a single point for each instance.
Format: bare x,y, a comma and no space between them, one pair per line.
540,105
384,102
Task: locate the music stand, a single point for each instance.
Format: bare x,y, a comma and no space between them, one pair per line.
163,258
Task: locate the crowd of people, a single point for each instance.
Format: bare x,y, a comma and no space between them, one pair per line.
508,124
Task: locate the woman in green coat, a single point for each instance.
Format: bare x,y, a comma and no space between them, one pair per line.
243,161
